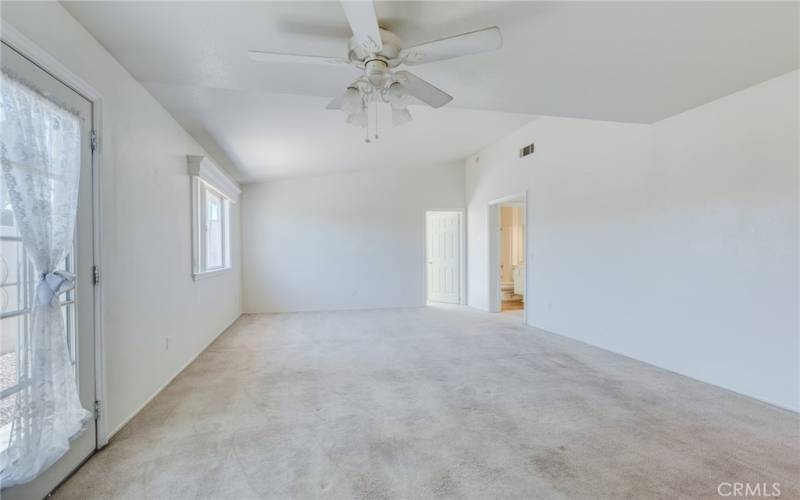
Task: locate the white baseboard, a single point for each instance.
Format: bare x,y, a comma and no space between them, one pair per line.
103,441
346,309
670,370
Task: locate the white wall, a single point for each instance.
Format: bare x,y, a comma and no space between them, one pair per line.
727,219
674,243
354,240
149,293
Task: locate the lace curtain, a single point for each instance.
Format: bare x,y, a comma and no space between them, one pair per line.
40,153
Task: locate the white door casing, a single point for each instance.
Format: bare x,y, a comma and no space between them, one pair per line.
444,256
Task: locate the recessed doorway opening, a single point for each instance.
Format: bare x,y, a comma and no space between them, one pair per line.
507,269
512,257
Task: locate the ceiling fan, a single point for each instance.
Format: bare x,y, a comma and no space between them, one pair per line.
378,53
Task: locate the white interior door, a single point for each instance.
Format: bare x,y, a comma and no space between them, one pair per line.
444,256
17,287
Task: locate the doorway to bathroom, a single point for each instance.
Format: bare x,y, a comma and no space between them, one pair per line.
512,257
507,255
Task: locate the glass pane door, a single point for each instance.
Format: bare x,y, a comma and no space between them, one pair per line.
17,287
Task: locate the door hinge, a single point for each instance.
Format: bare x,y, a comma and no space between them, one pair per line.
96,409
95,275
93,140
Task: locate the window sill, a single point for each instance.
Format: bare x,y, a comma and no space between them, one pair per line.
210,274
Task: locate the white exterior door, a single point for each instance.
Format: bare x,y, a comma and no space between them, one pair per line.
16,291
444,256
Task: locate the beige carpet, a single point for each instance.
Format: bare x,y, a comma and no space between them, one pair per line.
434,403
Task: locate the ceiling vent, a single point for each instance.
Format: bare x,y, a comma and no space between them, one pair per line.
527,150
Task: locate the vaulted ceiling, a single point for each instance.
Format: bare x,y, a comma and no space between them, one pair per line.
621,61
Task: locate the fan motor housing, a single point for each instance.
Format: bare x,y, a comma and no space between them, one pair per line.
377,71
389,53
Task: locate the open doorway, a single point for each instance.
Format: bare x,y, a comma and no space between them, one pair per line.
507,269
444,256
512,257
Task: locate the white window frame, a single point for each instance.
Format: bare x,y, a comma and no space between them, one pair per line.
206,190
208,178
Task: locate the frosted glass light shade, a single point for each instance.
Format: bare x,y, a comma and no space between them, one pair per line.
352,103
400,116
358,119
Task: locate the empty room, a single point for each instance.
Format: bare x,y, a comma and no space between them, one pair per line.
399,250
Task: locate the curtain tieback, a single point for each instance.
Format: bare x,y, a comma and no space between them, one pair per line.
54,284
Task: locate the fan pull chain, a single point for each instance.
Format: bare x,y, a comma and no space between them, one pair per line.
376,119
366,126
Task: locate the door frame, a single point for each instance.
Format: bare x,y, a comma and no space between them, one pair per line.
462,257
493,242
25,46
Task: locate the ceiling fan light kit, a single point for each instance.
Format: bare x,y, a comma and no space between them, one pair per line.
352,102
377,52
400,116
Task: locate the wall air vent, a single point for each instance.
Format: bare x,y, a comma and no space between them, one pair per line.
527,150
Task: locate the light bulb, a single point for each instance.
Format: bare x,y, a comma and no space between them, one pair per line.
351,102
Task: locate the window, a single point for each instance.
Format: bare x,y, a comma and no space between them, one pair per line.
212,221
214,238
212,195
17,285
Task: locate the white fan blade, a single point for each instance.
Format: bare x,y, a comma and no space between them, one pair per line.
363,23
336,103
455,46
277,57
423,90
